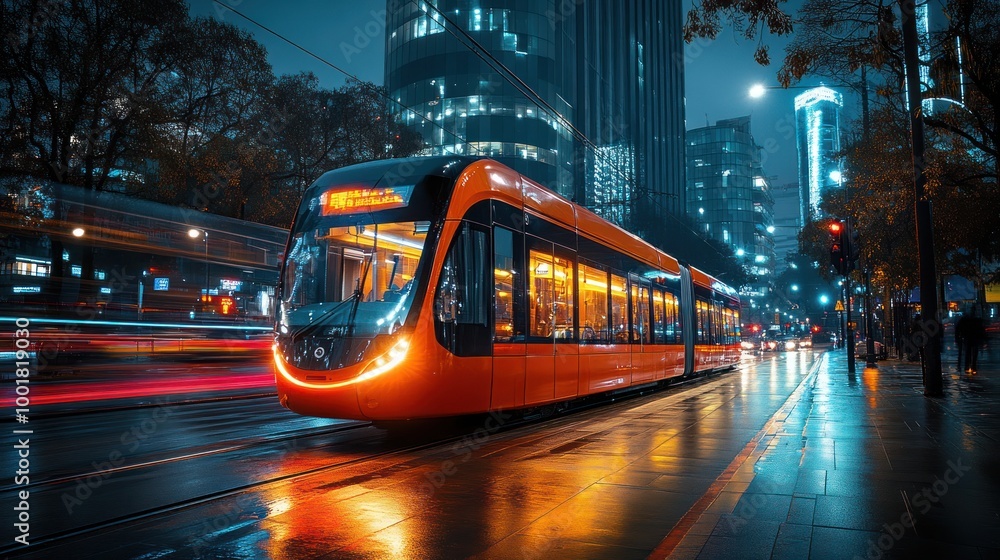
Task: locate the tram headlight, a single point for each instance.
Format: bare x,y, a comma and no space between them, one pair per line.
386,361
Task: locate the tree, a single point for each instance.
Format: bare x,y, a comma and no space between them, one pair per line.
751,18
75,79
370,132
215,106
310,137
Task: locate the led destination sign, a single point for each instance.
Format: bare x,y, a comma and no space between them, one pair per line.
364,199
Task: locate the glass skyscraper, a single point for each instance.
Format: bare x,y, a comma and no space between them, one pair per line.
817,133
728,195
598,113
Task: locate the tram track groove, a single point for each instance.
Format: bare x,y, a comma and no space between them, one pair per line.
248,443
44,541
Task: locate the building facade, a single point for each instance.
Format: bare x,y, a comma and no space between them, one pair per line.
786,224
817,132
728,194
586,98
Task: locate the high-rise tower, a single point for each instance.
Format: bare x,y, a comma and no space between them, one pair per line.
817,132
584,97
729,196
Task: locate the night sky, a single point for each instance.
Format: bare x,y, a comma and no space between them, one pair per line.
351,36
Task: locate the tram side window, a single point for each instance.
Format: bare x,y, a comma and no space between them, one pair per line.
736,326
640,313
718,326
704,332
675,317
731,322
666,317
550,294
619,309
563,297
541,314
593,290
507,278
659,318
461,304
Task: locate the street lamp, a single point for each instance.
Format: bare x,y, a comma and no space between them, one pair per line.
195,233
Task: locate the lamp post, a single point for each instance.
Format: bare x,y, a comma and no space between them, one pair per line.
195,233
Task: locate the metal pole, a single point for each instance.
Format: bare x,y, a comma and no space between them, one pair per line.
850,326
930,327
207,281
869,329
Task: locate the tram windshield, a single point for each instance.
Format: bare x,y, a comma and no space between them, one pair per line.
355,280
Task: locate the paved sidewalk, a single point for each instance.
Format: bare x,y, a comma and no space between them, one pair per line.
862,466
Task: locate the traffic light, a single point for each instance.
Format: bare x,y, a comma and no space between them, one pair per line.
853,247
839,256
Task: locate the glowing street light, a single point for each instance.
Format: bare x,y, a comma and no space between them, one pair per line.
78,232
195,233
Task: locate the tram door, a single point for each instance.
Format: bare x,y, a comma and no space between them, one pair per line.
508,320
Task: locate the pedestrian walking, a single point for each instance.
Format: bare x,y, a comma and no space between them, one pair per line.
916,340
975,335
961,338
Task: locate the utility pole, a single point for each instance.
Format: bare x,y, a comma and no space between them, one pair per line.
870,356
930,326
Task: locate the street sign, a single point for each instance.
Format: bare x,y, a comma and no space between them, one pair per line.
840,306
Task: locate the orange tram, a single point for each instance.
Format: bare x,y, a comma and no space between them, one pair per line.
429,287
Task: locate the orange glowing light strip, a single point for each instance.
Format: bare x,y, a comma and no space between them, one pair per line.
347,201
382,364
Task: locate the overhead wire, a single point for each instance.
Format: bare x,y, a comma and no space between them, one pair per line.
486,56
509,75
339,69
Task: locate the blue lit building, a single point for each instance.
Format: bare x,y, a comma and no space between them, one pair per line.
817,133
605,71
728,194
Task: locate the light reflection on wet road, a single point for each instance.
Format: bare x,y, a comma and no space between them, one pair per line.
606,482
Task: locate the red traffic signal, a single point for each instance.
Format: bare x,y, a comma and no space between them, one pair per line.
836,228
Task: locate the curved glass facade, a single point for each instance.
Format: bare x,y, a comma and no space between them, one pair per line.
604,67
817,132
